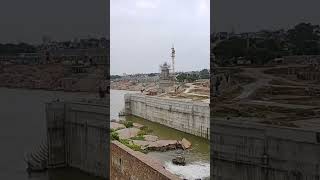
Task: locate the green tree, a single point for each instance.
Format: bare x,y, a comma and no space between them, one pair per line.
304,38
204,74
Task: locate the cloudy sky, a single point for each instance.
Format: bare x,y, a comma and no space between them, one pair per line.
143,31
254,15
29,20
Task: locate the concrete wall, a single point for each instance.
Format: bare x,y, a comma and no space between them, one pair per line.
134,165
55,134
187,116
79,136
252,151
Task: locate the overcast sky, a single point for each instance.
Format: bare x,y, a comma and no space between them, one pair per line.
254,15
29,20
143,31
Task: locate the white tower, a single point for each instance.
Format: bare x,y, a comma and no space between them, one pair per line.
173,55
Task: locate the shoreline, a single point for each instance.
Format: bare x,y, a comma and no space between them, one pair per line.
46,89
124,90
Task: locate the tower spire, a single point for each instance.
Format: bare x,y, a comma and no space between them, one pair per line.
173,55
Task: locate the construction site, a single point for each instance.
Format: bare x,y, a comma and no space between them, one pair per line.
265,120
168,87
286,94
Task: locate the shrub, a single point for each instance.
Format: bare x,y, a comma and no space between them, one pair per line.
128,124
115,136
131,145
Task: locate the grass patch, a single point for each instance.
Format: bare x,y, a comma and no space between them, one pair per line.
144,131
138,138
128,124
132,146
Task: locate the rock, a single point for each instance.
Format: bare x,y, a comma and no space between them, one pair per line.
137,125
116,126
160,145
128,133
142,144
150,138
164,145
179,160
185,143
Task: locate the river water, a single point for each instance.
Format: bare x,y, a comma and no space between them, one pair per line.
23,128
197,158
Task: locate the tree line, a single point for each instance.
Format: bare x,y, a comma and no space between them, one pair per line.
302,39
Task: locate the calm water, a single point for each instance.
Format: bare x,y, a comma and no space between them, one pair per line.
197,158
22,129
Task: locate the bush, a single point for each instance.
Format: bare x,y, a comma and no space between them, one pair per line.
115,136
128,124
131,145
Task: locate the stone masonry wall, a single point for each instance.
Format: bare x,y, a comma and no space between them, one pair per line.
187,116
134,165
252,151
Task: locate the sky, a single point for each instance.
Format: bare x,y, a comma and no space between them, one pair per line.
254,15
143,32
29,20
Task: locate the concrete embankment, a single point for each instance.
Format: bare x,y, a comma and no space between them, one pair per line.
184,115
129,164
246,150
78,136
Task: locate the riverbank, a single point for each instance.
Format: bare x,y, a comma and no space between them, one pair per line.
51,77
132,86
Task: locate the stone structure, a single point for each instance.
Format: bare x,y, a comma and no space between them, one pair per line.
250,151
129,164
184,115
165,80
78,136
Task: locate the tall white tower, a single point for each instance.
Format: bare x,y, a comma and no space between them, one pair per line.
173,55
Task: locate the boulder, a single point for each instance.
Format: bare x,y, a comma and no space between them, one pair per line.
164,145
150,138
128,133
160,145
185,143
179,160
141,143
137,125
116,126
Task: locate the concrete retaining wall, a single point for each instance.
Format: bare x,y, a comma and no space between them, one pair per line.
55,134
78,136
129,164
252,151
187,116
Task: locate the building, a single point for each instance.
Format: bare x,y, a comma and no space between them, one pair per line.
165,79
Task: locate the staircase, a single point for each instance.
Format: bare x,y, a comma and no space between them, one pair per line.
37,161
